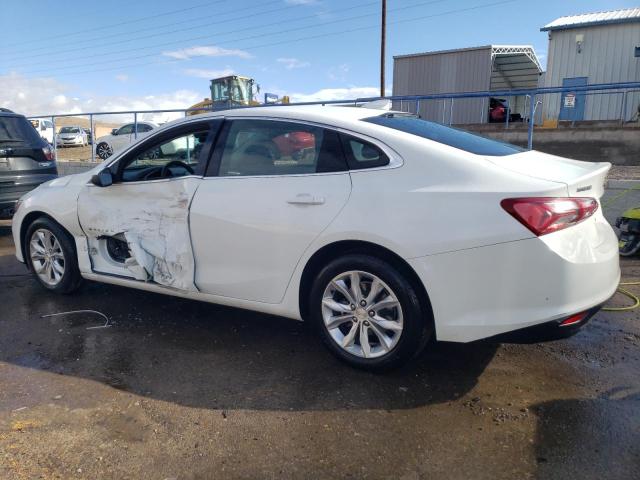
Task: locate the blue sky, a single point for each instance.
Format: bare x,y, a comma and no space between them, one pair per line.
71,56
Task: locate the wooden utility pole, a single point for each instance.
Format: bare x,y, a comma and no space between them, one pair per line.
383,41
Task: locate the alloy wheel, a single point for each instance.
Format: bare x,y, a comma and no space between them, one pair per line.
104,151
47,257
362,314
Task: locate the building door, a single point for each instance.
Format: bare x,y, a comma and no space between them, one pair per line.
572,103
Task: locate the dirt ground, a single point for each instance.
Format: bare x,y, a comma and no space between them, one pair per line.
74,154
176,389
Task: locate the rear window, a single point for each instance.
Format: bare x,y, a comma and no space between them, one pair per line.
17,130
469,142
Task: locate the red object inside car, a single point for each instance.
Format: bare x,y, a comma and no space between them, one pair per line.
290,143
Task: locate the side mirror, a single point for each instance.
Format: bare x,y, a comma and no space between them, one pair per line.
114,131
104,178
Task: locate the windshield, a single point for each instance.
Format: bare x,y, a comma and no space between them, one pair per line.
69,130
17,130
469,142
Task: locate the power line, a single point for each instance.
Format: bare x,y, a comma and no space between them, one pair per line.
251,37
312,37
102,38
280,22
127,22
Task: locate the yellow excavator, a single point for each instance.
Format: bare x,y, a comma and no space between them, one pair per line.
233,91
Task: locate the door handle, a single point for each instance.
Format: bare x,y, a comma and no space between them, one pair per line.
306,199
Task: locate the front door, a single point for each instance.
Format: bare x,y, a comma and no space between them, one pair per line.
123,137
572,103
138,227
272,188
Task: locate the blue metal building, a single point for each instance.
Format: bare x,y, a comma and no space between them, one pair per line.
592,48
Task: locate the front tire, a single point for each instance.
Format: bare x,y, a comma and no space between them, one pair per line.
104,150
52,256
368,314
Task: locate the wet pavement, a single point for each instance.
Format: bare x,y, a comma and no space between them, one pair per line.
187,390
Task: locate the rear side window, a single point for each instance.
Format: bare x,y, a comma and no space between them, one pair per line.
17,130
361,154
268,147
453,137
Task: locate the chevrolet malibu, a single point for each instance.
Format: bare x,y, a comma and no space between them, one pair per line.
381,229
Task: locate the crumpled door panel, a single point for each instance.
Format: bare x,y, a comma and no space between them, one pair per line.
153,218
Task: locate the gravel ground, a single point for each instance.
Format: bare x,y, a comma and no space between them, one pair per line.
619,172
187,390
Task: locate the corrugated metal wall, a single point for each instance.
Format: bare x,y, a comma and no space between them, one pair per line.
448,72
607,55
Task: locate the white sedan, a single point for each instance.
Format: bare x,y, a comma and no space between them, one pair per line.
381,229
71,137
122,137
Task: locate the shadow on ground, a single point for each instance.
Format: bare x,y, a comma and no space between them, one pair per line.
588,438
207,356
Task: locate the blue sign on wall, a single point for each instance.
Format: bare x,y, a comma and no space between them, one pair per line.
637,54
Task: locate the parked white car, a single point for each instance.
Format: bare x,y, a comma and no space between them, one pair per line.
44,128
72,136
382,229
121,137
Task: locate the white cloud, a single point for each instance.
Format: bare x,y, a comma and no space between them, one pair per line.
291,63
350,93
39,96
122,77
206,51
208,74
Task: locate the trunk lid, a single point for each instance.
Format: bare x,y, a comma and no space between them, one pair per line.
582,179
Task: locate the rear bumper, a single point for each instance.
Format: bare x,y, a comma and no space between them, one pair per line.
548,331
482,292
10,195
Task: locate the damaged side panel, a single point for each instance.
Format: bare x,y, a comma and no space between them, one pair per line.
141,230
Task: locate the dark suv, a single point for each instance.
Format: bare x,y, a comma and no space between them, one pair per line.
26,160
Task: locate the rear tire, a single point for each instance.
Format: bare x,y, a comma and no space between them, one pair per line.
396,325
52,256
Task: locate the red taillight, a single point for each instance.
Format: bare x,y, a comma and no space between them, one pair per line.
49,154
544,215
573,319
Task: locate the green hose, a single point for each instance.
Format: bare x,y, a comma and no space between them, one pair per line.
626,293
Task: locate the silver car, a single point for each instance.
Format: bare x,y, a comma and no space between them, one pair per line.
72,136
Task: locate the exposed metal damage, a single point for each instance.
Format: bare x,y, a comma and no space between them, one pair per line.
140,233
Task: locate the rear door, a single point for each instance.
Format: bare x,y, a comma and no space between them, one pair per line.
273,186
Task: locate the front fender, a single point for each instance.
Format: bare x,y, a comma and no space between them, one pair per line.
57,199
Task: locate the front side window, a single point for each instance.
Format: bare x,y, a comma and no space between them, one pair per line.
175,157
126,130
268,147
453,137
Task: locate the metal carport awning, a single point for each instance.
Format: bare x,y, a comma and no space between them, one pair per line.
514,66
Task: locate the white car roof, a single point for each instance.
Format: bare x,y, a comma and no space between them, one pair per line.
330,114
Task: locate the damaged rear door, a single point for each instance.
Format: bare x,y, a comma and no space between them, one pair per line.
138,227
